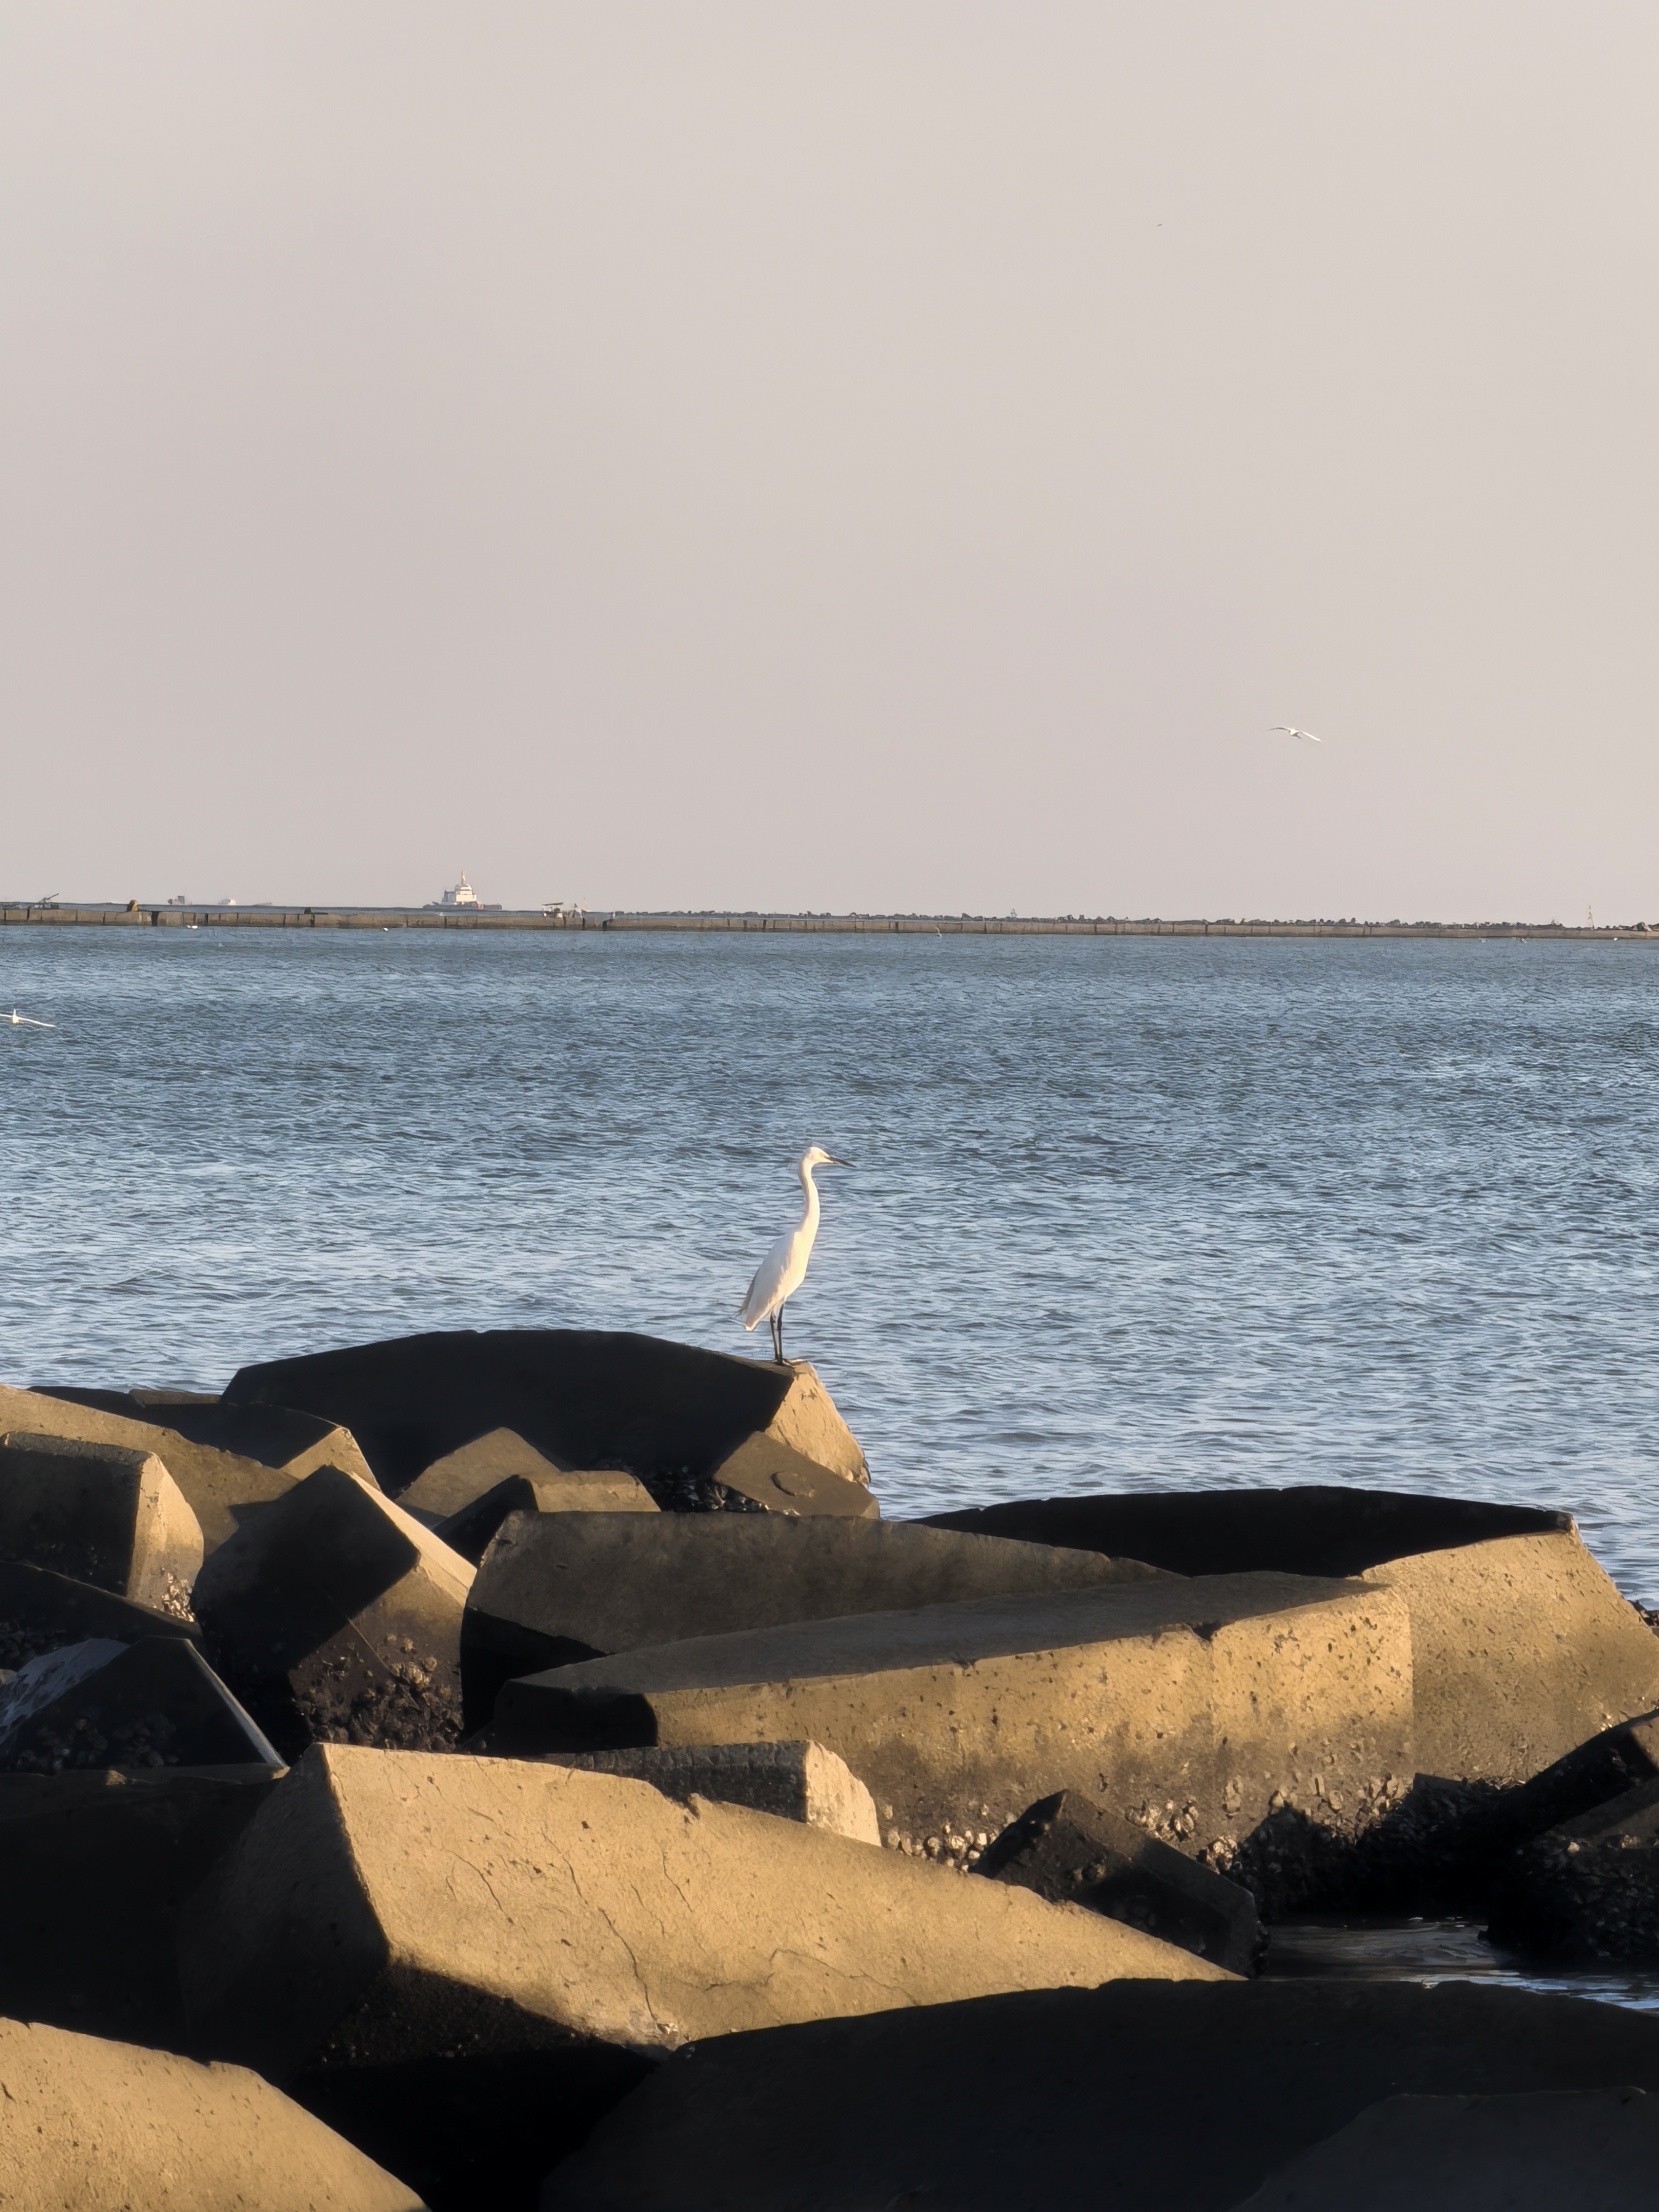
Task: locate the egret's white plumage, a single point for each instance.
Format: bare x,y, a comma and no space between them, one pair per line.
783,1270
27,1021
1290,731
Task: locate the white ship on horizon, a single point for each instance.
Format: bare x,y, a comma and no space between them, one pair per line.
461,898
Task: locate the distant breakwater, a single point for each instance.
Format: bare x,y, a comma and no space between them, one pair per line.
34,915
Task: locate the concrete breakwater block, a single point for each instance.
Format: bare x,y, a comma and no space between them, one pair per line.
1521,1646
1186,2097
468,1959
569,1586
93,1866
792,1781
105,1705
462,1476
338,1616
470,1531
1536,2153
771,1474
227,1461
1074,1853
41,1612
1587,1890
105,1514
95,2126
581,1397
1197,1708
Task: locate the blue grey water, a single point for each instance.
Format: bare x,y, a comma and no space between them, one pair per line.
1125,1213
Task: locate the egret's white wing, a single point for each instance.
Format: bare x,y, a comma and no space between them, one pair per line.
766,1290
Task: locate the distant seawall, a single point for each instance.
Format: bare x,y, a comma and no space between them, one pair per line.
20,914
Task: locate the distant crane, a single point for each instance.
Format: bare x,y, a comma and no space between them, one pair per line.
1290,731
27,1021
783,1270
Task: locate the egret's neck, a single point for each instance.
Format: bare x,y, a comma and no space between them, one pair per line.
809,1210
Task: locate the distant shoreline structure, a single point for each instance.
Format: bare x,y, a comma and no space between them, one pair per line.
142,914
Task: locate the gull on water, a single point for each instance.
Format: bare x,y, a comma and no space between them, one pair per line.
1290,731
783,1270
27,1021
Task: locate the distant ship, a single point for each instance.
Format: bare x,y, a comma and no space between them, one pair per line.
462,895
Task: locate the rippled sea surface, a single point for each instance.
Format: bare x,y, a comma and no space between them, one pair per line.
1125,1211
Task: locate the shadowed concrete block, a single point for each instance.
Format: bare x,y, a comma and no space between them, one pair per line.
94,1866
462,1476
1181,2096
1522,1647
104,1514
386,1912
1074,1853
1618,1759
338,1616
581,1397
102,1704
227,1461
1536,2153
470,1531
1197,1707
793,1781
93,2126
41,1612
1587,1890
573,1587
774,1476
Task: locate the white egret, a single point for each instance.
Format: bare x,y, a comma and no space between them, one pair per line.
27,1021
783,1270
1291,732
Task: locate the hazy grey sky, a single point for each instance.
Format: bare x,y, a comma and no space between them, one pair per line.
848,455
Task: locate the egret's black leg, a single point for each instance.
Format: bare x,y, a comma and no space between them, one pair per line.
779,1321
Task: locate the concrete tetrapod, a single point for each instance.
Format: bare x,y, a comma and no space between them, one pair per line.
1196,1707
668,1413
93,1866
463,1475
569,1586
472,1529
1587,1890
1074,1853
41,1612
1521,1645
794,1781
104,2127
337,1617
1541,2152
460,1962
103,1513
100,1703
230,1462
1179,2096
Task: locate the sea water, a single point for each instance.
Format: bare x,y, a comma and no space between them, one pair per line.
1125,1213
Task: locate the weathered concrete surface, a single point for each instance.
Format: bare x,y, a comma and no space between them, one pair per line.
462,1475
338,1616
105,1514
386,1912
1538,2152
576,1586
41,1612
93,2126
1196,1707
1589,1890
1072,1852
94,1868
471,1531
779,1479
582,1397
793,1781
102,1704
1181,2097
229,1461
1521,1646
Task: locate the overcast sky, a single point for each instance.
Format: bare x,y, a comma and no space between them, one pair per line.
886,455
